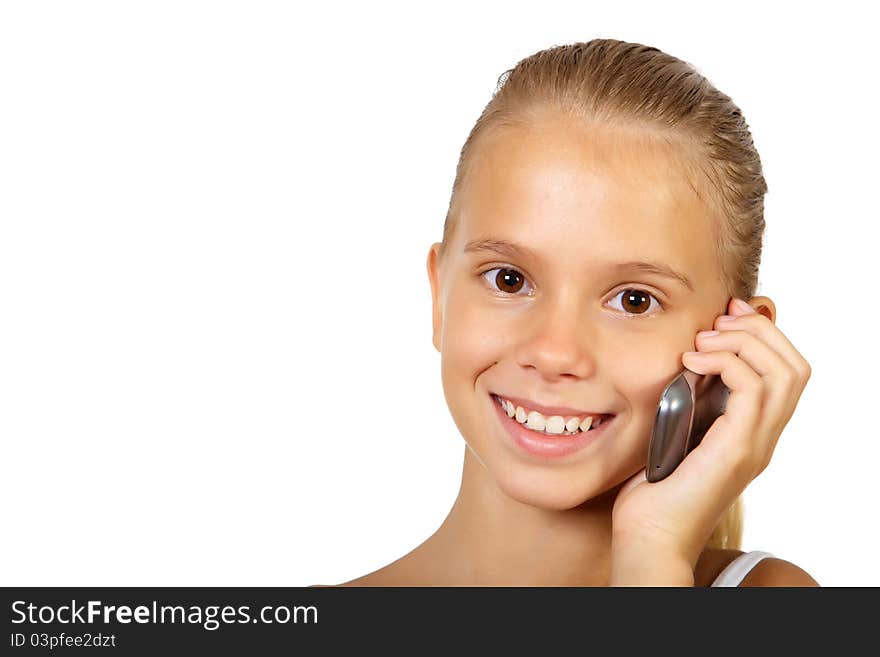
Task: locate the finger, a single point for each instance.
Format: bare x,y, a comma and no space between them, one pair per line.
733,451
761,326
745,402
762,358
632,482
780,384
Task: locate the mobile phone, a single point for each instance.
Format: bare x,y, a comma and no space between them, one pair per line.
689,405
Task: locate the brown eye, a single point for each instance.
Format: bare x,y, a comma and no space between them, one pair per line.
635,301
507,279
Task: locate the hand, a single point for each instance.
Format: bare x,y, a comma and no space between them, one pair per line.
672,519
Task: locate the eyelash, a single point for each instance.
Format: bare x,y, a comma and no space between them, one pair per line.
632,287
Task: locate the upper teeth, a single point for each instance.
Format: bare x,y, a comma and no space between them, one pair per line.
554,424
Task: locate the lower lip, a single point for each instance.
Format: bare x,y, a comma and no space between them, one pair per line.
546,446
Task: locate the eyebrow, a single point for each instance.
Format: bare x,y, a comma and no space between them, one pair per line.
513,250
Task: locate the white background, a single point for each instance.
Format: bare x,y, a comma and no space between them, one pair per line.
215,218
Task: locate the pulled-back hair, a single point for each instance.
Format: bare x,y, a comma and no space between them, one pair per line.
616,84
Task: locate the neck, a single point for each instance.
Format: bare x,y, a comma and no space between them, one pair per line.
491,539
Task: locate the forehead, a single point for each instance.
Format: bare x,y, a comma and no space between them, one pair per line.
611,191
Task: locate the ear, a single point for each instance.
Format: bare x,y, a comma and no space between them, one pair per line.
765,306
434,278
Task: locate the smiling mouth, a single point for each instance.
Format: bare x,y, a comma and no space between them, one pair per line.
551,425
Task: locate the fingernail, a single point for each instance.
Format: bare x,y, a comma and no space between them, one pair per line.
743,306
726,318
707,334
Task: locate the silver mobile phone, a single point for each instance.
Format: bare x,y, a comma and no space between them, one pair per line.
688,407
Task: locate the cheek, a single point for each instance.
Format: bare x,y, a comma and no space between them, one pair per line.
473,339
471,345
461,368
642,374
639,375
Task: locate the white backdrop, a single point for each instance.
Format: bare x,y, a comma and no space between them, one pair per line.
214,218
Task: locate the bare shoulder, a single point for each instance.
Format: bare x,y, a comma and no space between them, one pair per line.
366,580
770,571
389,575
778,572
711,562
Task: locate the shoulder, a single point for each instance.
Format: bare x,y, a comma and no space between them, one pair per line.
366,580
711,562
382,577
778,572
770,571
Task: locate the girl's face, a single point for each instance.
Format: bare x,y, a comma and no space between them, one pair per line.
559,317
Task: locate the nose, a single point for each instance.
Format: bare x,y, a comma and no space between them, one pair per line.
557,341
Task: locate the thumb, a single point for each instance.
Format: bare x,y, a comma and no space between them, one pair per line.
640,477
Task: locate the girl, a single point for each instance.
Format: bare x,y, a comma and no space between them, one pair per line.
607,207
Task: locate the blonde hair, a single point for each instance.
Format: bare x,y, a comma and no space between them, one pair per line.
607,82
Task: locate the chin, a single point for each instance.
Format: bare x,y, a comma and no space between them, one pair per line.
556,489
552,491
560,486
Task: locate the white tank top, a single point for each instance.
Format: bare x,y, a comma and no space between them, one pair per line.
737,569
